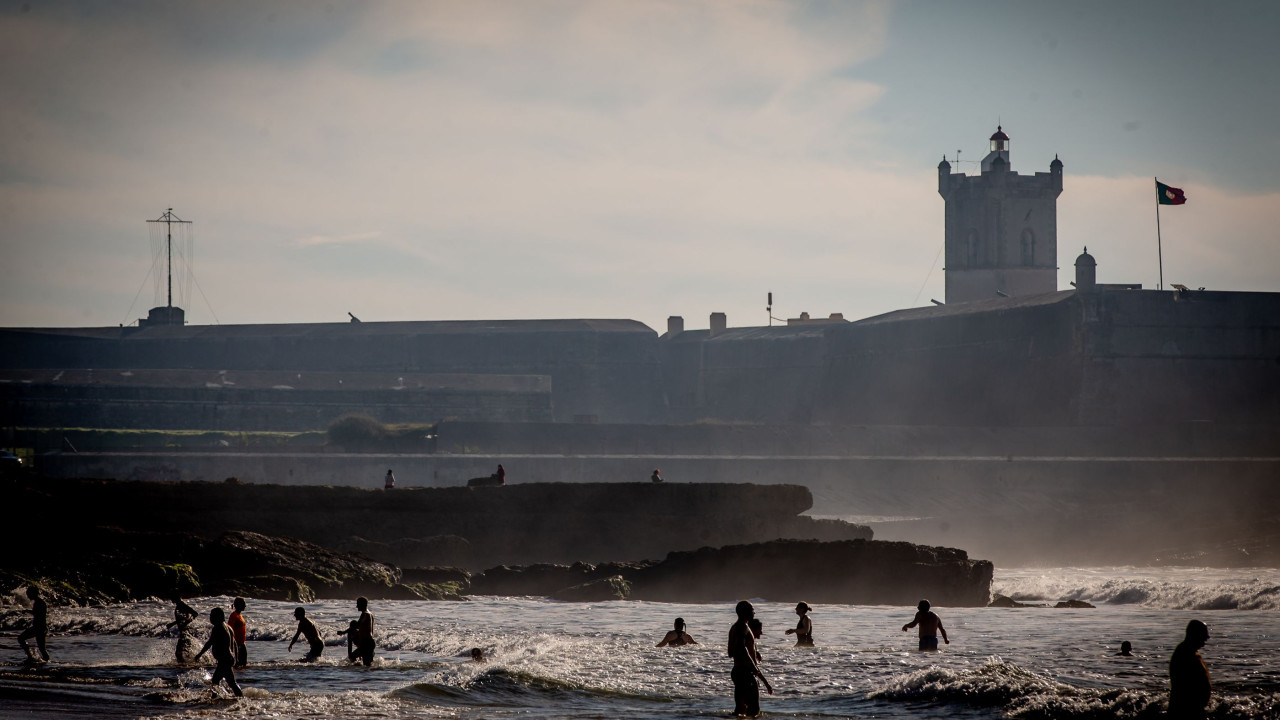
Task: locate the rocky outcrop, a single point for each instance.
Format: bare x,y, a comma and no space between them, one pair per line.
519,523
852,572
104,565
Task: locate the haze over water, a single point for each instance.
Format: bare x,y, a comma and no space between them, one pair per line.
591,660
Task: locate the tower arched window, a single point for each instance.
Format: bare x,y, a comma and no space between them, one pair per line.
1028,247
971,248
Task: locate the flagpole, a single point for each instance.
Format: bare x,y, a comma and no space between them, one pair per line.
1159,248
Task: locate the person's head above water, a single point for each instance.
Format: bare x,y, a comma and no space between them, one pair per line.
362,603
923,606
299,613
1126,648
803,607
679,624
1197,633
217,617
238,603
744,610
757,627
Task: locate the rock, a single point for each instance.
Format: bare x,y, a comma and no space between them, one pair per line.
541,579
610,588
1074,604
329,574
456,577
1008,602
267,587
434,550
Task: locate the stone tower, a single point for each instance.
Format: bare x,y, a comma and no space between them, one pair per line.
1001,228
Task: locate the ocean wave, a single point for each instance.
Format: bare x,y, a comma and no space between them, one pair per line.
1179,593
1027,695
509,687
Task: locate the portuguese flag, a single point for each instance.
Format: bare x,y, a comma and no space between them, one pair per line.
1168,195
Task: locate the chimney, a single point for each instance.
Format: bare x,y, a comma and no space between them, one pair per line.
675,325
718,323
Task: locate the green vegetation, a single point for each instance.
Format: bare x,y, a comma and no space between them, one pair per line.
363,433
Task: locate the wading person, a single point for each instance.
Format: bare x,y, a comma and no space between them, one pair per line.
224,651
307,629
239,631
364,632
742,648
183,616
1189,686
677,637
39,626
930,625
804,628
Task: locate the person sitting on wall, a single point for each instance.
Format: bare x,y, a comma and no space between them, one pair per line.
656,476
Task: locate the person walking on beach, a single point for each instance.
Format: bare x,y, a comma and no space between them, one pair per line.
239,631
183,616
803,629
1189,686
307,629
742,648
39,626
677,637
390,480
224,651
930,625
501,475
364,632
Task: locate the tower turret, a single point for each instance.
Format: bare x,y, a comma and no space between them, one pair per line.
999,150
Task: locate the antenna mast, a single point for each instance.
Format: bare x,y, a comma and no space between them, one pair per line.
168,218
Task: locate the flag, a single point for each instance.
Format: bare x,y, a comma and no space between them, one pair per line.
1167,195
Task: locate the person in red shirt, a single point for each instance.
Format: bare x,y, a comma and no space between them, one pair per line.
239,631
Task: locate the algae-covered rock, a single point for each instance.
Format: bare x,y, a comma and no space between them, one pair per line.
610,588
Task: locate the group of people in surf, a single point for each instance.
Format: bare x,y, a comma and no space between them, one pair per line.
227,638
1189,686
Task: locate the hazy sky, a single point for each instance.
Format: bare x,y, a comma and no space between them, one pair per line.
630,159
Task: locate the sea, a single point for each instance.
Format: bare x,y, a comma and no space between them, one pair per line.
550,659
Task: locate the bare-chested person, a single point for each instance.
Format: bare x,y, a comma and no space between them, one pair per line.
930,625
307,629
364,632
223,644
677,637
742,648
39,626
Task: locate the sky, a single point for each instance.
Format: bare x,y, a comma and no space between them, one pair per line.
610,159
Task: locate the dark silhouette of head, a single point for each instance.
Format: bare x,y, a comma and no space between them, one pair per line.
803,607
477,655
1126,648
923,606
679,623
217,617
299,613
744,610
757,627
33,592
1197,634
362,603
238,603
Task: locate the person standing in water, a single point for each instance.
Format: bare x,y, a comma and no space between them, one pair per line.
39,626
224,651
804,628
183,616
677,637
1189,686
307,629
742,648
364,632
239,631
930,625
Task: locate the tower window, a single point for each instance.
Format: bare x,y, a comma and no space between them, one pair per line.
1028,247
971,248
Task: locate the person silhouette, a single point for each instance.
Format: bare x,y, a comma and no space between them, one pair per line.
389,481
1189,686
39,625
804,628
183,616
364,632
224,651
307,629
1126,649
239,631
930,625
677,637
742,648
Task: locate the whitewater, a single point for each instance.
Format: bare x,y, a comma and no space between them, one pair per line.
595,660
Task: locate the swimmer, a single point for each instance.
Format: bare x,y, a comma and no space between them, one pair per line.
1126,649
677,637
224,651
804,628
930,625
307,629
